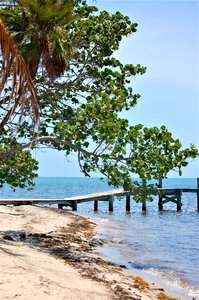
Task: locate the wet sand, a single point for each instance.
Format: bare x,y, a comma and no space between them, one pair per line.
46,253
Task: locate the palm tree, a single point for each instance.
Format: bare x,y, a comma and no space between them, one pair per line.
39,29
22,85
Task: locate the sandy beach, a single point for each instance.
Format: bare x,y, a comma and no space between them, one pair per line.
48,253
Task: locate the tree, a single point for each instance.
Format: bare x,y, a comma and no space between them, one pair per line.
81,111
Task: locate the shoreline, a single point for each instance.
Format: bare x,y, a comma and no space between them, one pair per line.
176,292
112,254
49,253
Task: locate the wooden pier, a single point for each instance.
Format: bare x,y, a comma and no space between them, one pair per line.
107,196
165,195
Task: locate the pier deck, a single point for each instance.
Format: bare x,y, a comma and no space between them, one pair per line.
166,195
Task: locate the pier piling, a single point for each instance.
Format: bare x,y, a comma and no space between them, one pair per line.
160,205
144,206
74,205
95,205
198,194
179,197
160,198
128,203
110,203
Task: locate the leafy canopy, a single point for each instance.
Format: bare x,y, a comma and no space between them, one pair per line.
81,110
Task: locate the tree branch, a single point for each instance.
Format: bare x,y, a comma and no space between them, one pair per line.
43,139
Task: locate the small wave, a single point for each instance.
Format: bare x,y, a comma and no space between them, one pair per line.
172,279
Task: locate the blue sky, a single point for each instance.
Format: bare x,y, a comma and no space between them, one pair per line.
167,44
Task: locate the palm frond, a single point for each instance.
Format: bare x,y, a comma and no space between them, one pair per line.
14,66
35,26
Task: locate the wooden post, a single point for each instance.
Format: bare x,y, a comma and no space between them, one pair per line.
110,203
144,206
198,193
74,205
128,202
160,195
95,205
144,203
60,206
179,196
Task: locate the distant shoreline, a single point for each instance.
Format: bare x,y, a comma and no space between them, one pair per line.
100,177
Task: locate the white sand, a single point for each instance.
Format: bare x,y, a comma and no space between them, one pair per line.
29,272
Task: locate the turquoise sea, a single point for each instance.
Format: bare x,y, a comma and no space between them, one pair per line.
162,245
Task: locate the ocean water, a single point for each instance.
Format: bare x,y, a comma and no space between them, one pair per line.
162,245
